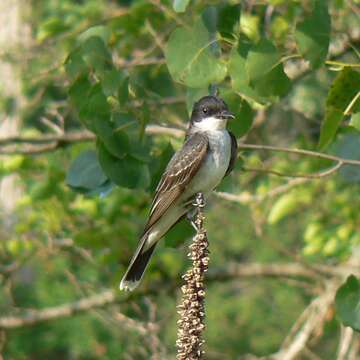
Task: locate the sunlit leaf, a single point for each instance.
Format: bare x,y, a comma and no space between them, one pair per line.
180,5
288,204
189,58
283,207
355,121
51,27
250,26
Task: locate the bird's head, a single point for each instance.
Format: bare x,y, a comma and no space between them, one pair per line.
210,113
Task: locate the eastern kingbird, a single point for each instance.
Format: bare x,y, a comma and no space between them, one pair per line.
207,156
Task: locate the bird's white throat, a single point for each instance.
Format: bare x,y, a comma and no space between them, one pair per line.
210,124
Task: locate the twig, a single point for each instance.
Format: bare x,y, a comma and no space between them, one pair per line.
238,270
169,12
316,175
345,342
230,272
140,62
51,313
299,179
192,308
299,152
82,136
316,314
157,38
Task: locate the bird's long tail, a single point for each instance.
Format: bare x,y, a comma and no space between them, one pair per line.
137,266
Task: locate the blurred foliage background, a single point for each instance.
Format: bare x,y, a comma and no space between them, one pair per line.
94,99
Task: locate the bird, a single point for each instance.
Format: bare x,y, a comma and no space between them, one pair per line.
208,155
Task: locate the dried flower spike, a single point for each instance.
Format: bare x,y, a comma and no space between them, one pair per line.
192,308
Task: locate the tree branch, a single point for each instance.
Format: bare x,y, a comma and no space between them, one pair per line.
33,317
238,270
41,144
299,179
315,316
300,152
230,272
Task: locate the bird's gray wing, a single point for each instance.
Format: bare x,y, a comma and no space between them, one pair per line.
181,169
233,156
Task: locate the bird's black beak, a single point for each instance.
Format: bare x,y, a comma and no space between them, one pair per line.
226,114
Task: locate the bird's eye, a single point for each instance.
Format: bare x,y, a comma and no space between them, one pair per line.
205,110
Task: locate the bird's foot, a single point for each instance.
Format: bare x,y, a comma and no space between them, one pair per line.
199,201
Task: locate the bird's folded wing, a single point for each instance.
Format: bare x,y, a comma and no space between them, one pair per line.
179,172
233,156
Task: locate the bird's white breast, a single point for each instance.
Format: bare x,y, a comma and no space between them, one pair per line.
215,164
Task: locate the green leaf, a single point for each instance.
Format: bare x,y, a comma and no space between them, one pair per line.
229,17
79,91
94,108
333,118
100,31
96,55
237,68
347,303
51,27
75,65
349,148
116,141
244,114
123,92
256,71
85,172
288,204
285,205
344,89
250,26
189,58
265,70
261,59
193,95
139,148
239,76
355,121
180,6
111,81
342,92
313,34
127,172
